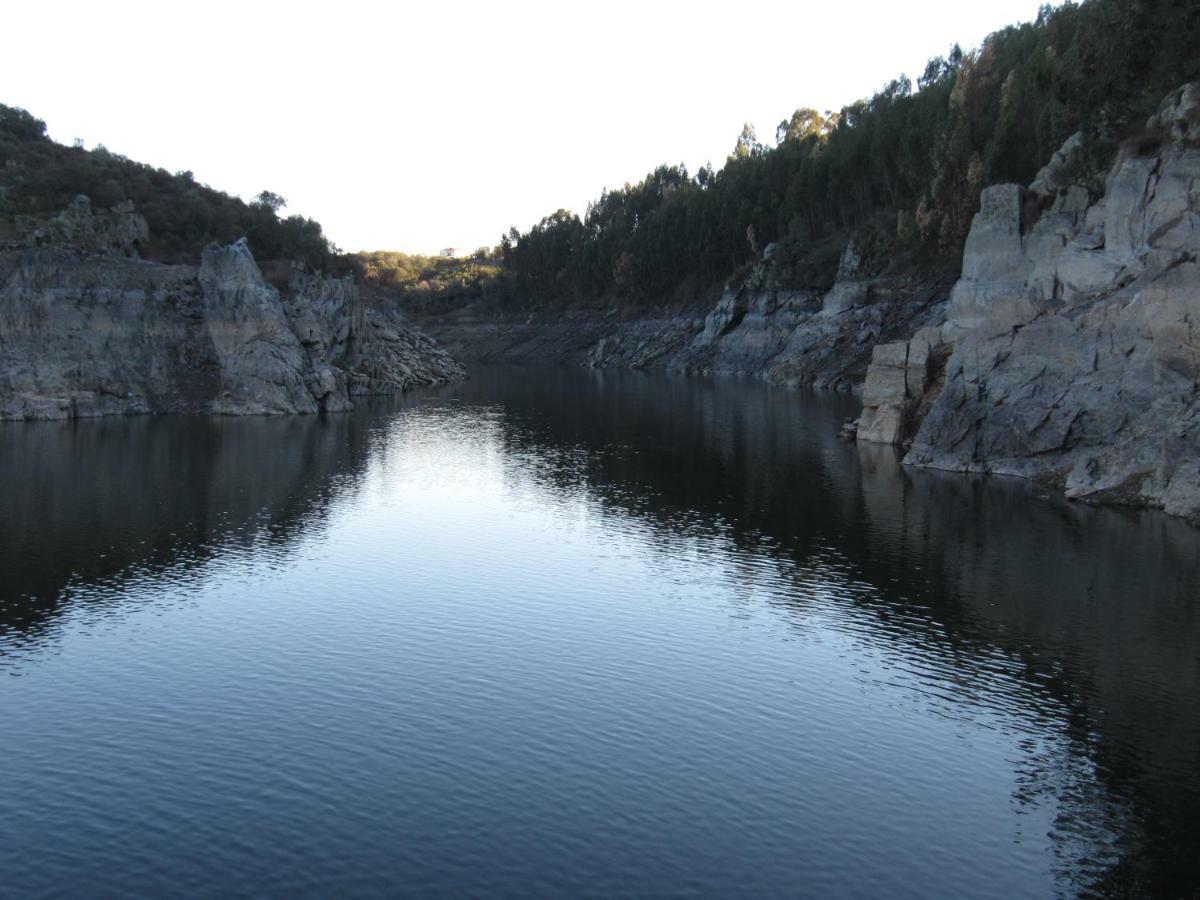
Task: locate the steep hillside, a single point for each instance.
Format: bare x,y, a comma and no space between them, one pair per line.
39,177
1070,350
898,175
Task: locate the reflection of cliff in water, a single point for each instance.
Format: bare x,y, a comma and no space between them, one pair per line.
1091,612
99,501
1100,607
1094,609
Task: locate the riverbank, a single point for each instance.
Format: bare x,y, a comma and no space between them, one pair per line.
1067,351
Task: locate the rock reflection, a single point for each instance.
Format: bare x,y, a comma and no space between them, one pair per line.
97,501
1094,610
984,601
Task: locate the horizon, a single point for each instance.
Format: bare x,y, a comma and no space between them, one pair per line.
396,178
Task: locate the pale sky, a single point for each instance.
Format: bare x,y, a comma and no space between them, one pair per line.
421,126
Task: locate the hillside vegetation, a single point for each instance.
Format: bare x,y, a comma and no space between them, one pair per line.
901,172
39,177
430,283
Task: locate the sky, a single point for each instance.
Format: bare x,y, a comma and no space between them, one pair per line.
415,127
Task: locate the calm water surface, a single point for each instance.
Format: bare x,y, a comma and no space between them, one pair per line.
551,632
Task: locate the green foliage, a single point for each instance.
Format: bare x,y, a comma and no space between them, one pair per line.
747,144
271,201
40,177
901,171
803,124
428,283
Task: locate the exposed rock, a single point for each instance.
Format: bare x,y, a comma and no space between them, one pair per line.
724,317
902,377
1179,114
1076,341
885,394
995,265
111,231
1055,175
849,288
86,334
1067,349
756,328
846,295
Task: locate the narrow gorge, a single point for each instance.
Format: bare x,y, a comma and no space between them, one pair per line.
1067,350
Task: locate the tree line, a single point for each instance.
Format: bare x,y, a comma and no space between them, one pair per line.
901,171
39,177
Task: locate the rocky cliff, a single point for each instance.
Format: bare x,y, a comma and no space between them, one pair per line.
756,327
1070,350
89,329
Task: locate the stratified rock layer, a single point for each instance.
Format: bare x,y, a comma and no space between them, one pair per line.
86,333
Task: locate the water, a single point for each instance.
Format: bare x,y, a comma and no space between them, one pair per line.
551,632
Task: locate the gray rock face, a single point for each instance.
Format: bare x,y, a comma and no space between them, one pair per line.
1067,351
849,289
1179,114
117,230
1055,175
995,264
904,378
783,336
88,334
755,329
1076,340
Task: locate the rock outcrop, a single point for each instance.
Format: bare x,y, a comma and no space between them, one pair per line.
785,336
87,330
1066,351
904,379
119,230
757,328
1075,332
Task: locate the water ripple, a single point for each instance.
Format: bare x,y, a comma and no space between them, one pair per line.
586,635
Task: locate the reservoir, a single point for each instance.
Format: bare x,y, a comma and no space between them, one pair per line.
553,631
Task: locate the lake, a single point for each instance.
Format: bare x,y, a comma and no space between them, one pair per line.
554,632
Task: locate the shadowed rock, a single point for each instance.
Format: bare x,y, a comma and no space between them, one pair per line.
88,331
1076,349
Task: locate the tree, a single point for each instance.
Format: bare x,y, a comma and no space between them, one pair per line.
271,201
748,145
20,124
899,171
804,123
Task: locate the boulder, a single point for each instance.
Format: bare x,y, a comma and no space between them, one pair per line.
849,289
885,395
1179,114
1056,174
